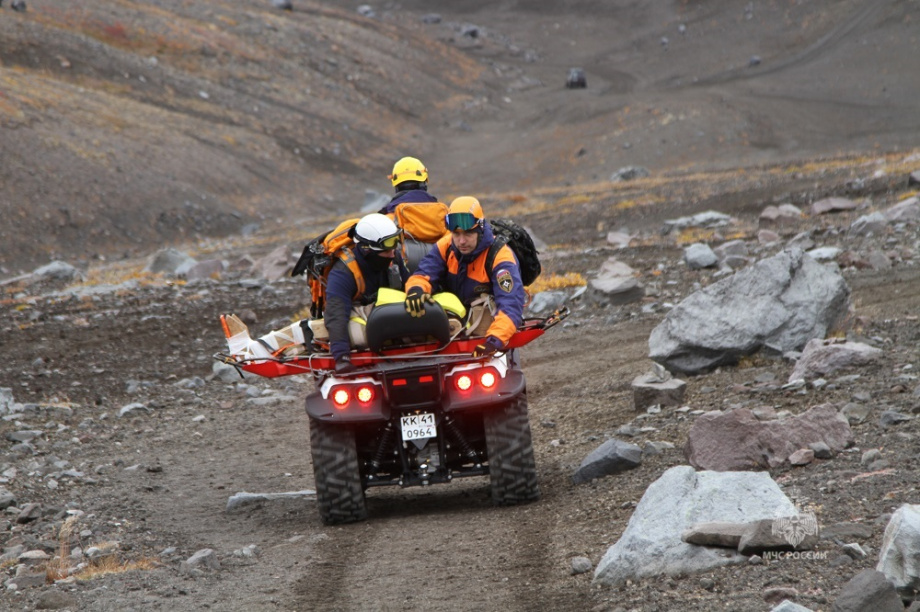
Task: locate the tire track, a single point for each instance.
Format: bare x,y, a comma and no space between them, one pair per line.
809,54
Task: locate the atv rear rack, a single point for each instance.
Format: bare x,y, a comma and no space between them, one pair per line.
458,349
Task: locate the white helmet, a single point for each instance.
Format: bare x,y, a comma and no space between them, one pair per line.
377,232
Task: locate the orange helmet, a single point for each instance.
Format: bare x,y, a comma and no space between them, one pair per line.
464,213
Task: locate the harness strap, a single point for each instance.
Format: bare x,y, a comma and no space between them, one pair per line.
347,257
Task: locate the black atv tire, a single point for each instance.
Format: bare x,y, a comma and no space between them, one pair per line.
512,469
339,492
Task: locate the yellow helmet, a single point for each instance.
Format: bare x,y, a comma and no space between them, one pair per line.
408,169
465,213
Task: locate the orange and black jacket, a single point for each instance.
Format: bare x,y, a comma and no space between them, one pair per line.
445,269
342,293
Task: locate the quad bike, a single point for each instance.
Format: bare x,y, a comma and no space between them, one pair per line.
416,412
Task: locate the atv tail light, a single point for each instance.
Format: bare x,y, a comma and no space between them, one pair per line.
487,379
464,382
365,394
340,398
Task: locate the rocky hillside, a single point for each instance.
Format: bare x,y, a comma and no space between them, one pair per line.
127,126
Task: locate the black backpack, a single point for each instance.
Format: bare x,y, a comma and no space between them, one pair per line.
508,232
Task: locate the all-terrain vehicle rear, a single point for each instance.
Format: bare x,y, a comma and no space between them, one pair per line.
419,410
419,423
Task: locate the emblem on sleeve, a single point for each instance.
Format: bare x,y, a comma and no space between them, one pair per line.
505,281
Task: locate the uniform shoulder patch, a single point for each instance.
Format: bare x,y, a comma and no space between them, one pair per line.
505,281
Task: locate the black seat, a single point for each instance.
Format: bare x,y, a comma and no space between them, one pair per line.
390,325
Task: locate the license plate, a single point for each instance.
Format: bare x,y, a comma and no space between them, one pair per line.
418,426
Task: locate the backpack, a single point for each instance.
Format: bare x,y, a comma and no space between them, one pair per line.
318,257
515,236
422,224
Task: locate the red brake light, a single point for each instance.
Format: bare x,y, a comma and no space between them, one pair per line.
464,382
487,379
365,394
340,398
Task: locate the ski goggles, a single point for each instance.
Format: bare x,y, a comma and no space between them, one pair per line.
462,221
384,244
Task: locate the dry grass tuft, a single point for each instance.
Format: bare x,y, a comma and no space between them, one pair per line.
556,281
59,567
110,564
695,234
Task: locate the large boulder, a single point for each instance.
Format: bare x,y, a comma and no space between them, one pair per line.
779,303
736,440
899,558
651,544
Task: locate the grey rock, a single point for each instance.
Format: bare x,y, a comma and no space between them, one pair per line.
855,413
846,531
29,513
650,390
576,79
682,497
788,606
821,450
780,217
23,435
171,262
868,591
899,556
7,498
132,408
57,271
243,499
797,531
779,303
611,457
581,565
828,205
870,224
205,557
906,210
708,219
825,357
890,418
829,253
725,535
546,302
616,285
698,256
854,551
619,240
629,173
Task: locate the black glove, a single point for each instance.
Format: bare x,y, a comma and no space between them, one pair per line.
487,348
343,365
415,301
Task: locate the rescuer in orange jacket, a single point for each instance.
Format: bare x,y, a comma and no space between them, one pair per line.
457,264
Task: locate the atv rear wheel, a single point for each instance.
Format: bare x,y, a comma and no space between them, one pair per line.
339,492
512,469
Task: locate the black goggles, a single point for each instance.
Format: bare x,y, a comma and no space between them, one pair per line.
384,244
462,221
